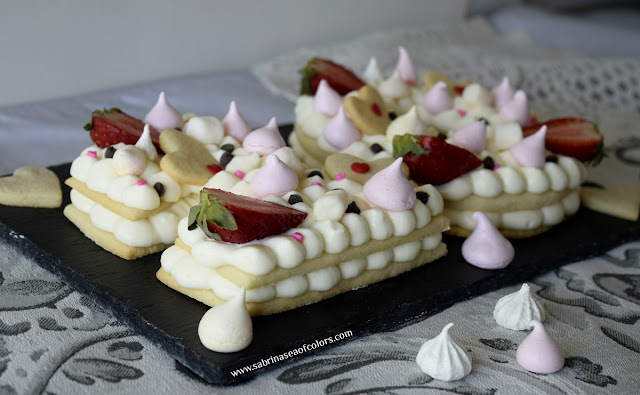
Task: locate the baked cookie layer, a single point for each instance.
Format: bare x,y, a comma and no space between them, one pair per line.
107,240
279,304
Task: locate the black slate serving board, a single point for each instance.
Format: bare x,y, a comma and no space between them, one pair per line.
170,319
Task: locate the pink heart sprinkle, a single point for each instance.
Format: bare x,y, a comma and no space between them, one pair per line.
316,183
92,154
298,236
141,182
462,112
239,174
496,166
341,176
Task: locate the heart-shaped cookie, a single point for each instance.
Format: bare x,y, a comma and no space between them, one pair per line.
622,201
186,159
355,168
367,111
31,186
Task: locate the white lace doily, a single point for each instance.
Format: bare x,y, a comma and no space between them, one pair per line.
606,91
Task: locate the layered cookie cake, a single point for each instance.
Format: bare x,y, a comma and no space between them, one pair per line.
130,188
290,236
484,150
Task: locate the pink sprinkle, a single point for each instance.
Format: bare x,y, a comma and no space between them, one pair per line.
316,183
92,154
496,166
239,174
141,182
340,176
462,112
298,236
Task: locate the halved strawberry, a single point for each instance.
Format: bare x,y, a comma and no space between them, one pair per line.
112,126
432,160
225,216
341,79
575,137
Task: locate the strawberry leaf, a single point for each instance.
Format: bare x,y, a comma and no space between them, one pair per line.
407,143
210,210
97,113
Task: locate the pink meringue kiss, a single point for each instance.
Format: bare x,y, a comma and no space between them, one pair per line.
530,151
539,352
274,178
486,247
405,67
326,100
234,123
265,140
163,115
437,99
340,132
472,137
503,93
389,189
517,109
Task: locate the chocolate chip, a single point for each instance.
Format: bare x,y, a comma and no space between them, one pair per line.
483,120
393,115
178,129
293,199
488,163
353,208
108,153
227,147
375,148
551,158
225,158
442,136
422,196
315,173
159,188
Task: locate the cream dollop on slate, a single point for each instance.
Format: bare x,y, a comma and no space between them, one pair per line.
227,327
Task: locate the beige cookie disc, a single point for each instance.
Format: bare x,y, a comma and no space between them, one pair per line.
31,186
619,200
186,158
367,111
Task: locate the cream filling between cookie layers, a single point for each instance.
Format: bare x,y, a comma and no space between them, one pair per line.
98,173
521,220
568,173
190,274
160,228
333,236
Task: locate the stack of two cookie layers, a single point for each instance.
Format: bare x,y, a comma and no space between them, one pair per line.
331,252
130,213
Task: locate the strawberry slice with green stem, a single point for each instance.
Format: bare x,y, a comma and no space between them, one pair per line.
431,160
575,137
112,126
225,216
340,78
